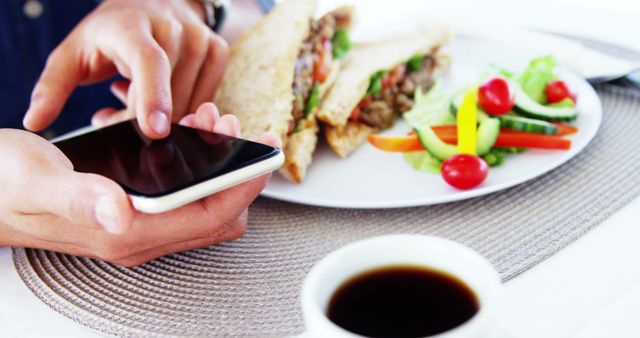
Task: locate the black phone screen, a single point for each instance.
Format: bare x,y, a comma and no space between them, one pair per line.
151,168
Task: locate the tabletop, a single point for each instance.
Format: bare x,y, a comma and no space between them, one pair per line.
589,289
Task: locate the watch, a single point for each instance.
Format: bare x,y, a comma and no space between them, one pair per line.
215,11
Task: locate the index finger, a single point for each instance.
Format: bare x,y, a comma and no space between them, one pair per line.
134,49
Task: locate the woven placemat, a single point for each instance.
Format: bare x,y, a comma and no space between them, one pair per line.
250,287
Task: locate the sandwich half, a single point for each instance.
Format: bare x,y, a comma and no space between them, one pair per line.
278,73
376,85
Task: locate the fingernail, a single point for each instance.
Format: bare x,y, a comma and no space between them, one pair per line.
106,214
35,99
25,120
238,134
224,128
159,122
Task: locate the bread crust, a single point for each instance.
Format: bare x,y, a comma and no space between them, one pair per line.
256,85
345,139
299,152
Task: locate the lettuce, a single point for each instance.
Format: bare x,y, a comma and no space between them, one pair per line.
416,62
423,161
341,43
430,109
375,82
567,102
535,78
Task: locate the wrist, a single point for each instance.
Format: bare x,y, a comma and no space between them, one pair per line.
214,12
7,235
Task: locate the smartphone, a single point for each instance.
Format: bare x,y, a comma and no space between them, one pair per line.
160,175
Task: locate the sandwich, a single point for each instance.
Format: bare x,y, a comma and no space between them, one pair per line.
278,73
377,83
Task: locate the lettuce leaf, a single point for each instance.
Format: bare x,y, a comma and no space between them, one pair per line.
536,76
430,109
566,102
341,43
423,161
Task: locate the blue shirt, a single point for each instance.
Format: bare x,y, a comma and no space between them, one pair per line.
25,43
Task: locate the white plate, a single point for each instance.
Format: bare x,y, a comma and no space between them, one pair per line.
370,178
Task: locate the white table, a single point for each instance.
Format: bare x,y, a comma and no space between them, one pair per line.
589,289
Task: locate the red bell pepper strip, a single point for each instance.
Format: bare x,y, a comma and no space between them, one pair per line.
508,139
530,140
565,129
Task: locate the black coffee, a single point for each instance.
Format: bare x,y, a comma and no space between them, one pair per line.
402,301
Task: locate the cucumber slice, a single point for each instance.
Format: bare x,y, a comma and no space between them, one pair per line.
527,124
530,108
488,131
487,134
434,145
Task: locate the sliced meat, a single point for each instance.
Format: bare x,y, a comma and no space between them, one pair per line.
391,102
404,102
378,114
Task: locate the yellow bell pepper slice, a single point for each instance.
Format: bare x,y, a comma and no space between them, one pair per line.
468,122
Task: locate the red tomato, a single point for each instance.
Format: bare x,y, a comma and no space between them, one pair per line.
393,77
464,171
355,114
322,62
496,97
557,91
364,103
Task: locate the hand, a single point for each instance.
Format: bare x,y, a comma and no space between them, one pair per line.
172,59
47,205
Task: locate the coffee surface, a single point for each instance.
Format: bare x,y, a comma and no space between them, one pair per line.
402,301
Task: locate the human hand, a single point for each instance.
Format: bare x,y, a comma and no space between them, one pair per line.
48,205
172,59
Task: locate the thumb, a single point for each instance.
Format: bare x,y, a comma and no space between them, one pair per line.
89,199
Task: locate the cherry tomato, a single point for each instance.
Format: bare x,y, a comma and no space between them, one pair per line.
496,97
557,91
464,171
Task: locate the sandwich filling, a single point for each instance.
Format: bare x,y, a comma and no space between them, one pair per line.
390,93
328,41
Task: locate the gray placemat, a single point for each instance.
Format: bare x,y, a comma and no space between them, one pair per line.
250,287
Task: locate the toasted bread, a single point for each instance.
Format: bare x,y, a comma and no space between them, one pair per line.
256,86
345,139
299,152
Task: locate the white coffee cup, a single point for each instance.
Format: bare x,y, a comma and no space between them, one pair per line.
392,250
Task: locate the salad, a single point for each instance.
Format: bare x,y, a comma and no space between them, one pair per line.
461,134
